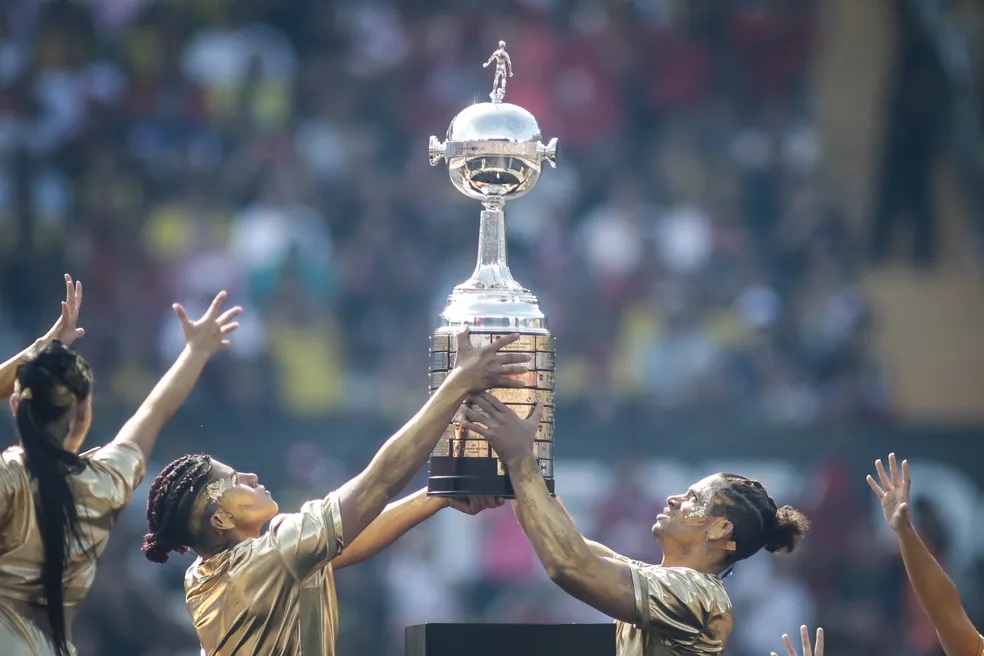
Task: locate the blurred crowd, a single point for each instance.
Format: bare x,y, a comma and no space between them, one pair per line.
687,250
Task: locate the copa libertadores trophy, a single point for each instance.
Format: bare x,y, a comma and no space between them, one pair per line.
494,154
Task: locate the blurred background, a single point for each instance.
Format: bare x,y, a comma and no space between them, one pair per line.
761,251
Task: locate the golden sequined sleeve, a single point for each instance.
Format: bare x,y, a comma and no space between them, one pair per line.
8,490
669,602
122,466
309,539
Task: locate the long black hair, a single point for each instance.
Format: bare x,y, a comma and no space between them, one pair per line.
50,386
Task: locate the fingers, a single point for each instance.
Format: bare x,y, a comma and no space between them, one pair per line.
230,314
893,467
494,402
69,291
819,644
536,414
514,369
487,503
498,344
229,327
875,487
475,428
475,415
485,402
182,315
462,341
905,478
78,294
790,650
886,482
213,309
903,512
805,639
513,358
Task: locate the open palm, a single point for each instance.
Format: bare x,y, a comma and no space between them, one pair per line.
210,333
893,491
66,329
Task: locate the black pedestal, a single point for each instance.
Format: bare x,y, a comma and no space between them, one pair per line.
510,639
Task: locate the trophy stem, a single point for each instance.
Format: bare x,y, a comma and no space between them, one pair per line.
491,269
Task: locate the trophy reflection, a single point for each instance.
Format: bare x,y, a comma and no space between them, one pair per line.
494,154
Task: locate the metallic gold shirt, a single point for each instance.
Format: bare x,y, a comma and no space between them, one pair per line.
273,595
679,612
101,491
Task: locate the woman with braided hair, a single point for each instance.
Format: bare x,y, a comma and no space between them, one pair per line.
677,607
270,591
57,506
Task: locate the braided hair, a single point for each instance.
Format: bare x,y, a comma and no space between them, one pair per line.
758,522
172,496
50,385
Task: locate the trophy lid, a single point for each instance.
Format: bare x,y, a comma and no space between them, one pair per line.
494,122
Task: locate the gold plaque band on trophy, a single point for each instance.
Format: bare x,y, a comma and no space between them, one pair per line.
495,154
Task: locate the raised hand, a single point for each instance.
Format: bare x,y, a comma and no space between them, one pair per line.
484,368
893,491
65,329
209,334
475,505
805,638
509,434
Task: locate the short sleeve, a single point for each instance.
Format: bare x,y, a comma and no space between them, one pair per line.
308,540
675,604
9,484
121,466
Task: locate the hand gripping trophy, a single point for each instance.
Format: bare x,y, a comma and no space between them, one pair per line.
502,62
495,154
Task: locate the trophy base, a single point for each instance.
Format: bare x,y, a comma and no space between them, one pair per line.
463,477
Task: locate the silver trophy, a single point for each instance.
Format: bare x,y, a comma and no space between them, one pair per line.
494,153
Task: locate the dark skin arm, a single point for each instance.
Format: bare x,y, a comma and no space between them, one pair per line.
204,337
363,498
597,548
401,516
571,563
935,591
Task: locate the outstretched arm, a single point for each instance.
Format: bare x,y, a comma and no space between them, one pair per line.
566,556
204,337
569,561
596,548
363,498
937,594
395,520
398,518
64,330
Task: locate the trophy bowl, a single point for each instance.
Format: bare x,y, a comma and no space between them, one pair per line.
494,154
494,150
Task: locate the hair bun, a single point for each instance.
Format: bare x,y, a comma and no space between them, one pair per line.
157,549
790,525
